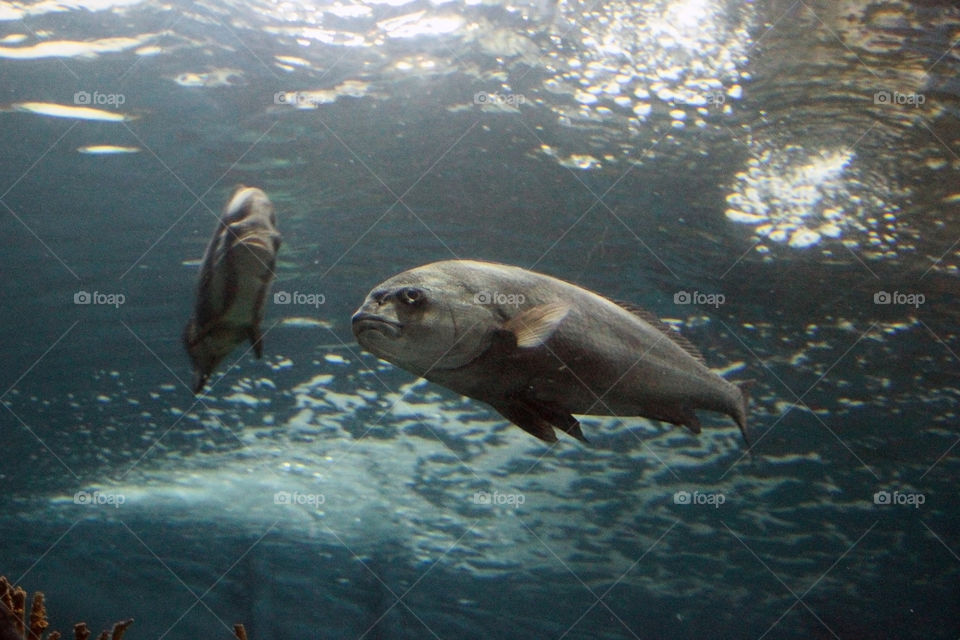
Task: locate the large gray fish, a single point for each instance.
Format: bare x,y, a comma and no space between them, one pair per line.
539,349
234,279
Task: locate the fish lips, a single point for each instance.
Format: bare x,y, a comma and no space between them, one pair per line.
364,322
256,242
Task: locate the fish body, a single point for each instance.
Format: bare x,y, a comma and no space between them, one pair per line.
235,277
539,349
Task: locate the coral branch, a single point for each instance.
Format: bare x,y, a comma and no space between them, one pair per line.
38,617
13,619
19,604
120,628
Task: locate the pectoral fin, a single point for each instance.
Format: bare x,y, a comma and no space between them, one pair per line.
690,421
741,414
199,380
256,339
534,326
532,424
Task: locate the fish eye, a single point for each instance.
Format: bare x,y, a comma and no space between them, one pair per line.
412,296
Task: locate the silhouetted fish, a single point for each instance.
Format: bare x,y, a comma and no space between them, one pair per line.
234,279
539,349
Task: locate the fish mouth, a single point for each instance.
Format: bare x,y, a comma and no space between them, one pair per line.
254,240
363,322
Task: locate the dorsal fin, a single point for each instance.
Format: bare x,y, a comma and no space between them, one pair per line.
663,327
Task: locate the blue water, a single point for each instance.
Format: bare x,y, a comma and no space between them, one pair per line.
798,162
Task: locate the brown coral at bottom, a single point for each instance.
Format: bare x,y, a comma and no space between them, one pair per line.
13,619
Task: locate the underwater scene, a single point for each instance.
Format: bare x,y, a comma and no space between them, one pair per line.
399,319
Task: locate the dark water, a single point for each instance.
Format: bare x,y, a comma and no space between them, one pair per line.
799,159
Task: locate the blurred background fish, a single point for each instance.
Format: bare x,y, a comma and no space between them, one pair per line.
237,270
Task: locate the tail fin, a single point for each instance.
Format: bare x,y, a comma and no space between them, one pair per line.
741,417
